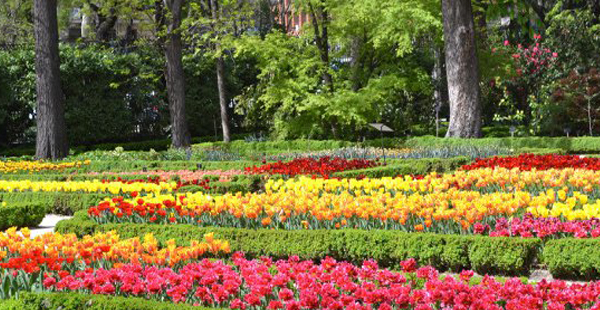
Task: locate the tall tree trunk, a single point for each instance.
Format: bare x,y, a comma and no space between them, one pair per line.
223,99
462,69
221,77
438,84
51,140
175,77
322,42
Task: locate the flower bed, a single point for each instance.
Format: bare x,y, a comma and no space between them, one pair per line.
295,284
94,186
55,251
539,162
38,166
323,166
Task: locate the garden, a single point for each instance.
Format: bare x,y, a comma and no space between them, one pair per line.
299,154
321,227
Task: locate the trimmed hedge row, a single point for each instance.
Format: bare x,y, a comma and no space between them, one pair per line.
510,256
21,214
572,258
408,166
64,203
77,301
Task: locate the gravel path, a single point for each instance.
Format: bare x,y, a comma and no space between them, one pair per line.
48,224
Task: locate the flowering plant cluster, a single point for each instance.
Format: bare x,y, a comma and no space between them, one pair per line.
526,162
529,226
95,186
293,284
37,166
203,183
323,166
449,203
55,251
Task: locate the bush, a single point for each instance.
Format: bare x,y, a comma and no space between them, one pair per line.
12,305
75,301
408,166
388,247
573,258
53,202
22,214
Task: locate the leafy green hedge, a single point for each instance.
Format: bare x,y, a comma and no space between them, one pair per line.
511,256
564,144
573,258
53,202
408,166
21,214
76,301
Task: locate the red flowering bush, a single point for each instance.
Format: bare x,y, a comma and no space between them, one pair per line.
323,166
295,284
538,162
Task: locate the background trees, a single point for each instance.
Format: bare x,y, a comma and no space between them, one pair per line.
298,68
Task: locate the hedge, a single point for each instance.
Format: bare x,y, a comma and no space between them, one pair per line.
408,166
21,214
64,203
510,256
572,258
78,301
570,145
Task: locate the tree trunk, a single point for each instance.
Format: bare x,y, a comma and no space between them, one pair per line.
462,69
322,42
589,115
51,140
221,77
223,99
180,135
436,78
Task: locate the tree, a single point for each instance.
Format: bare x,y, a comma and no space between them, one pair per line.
368,65
220,66
175,77
462,69
51,141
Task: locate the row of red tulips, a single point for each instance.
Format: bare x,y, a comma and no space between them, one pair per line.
538,162
293,284
322,167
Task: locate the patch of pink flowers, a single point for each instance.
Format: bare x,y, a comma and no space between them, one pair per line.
293,284
551,227
183,175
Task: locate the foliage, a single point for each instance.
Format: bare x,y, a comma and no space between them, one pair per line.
74,301
21,214
292,100
573,258
388,248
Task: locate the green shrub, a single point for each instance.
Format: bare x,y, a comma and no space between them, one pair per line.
21,214
388,247
64,203
573,258
514,254
77,301
13,305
